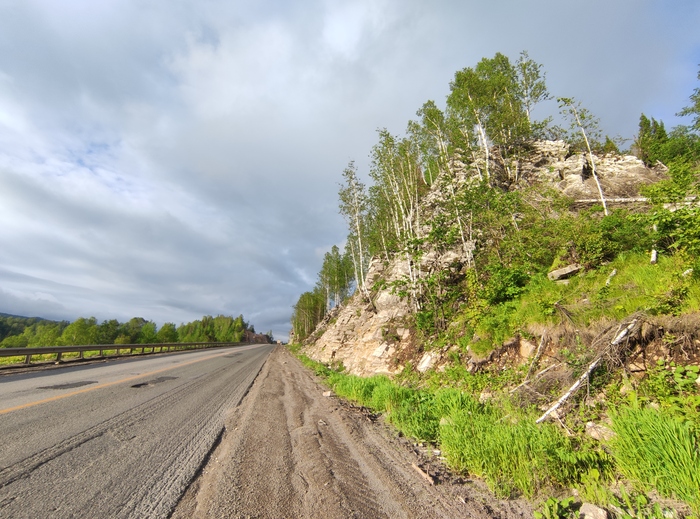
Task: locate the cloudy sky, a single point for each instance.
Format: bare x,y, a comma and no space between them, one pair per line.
176,158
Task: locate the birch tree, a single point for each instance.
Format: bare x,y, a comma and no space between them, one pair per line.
495,100
531,80
353,206
587,124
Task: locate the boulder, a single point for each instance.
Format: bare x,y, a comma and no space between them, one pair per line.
599,432
564,273
426,362
527,348
589,511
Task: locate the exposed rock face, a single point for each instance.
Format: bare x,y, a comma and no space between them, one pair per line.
620,175
371,337
366,336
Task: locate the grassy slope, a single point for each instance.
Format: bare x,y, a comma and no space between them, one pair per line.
657,447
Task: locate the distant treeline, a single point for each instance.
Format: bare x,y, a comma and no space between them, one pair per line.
21,332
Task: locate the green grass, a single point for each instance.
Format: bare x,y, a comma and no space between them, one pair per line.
505,447
656,450
500,444
637,286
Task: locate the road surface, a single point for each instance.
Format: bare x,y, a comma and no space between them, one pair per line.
288,451
122,438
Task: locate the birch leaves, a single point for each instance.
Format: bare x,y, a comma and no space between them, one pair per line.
492,103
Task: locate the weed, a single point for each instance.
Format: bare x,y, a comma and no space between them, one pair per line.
555,508
637,506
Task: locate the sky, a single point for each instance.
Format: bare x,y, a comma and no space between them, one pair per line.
170,159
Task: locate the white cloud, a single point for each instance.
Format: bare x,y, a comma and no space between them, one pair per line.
170,159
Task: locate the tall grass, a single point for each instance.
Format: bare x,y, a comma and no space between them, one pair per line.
502,445
657,450
510,452
638,285
588,298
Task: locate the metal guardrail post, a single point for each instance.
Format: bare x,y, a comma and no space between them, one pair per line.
58,356
28,359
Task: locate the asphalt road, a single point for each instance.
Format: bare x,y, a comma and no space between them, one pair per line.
122,438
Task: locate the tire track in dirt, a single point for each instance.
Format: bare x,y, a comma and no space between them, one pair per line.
289,452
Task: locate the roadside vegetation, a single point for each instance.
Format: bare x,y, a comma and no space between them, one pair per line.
637,296
21,332
656,447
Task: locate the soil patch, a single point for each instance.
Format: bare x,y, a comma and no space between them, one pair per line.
288,451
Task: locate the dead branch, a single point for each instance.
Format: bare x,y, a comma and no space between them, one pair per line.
592,366
536,377
425,475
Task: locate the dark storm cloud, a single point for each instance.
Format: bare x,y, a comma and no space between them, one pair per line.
174,159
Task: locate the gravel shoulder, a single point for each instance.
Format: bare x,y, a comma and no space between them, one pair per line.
287,451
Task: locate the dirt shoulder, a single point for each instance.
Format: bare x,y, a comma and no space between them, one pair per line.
290,452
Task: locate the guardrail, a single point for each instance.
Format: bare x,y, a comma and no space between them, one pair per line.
27,353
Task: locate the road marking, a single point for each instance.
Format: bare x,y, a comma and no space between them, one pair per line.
106,384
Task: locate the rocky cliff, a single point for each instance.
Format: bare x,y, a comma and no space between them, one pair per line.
374,334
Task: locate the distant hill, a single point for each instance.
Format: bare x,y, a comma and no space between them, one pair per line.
15,324
3,314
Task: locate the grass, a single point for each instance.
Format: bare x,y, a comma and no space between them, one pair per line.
656,450
637,286
587,298
499,443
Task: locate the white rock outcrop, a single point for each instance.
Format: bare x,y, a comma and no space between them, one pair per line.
374,336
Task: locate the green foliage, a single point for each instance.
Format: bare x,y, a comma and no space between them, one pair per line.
694,108
555,508
675,217
167,333
353,206
135,331
214,329
15,325
80,331
638,506
610,146
336,277
658,451
505,284
654,144
496,97
308,312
